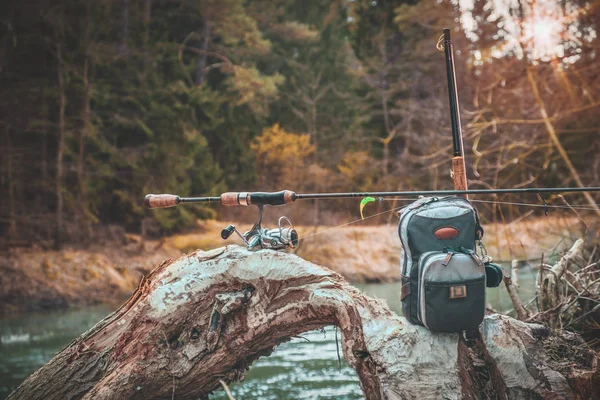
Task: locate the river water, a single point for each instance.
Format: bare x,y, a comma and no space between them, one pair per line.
304,368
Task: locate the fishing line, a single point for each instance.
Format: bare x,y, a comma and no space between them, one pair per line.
353,222
577,206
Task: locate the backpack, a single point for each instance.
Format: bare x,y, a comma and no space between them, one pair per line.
443,280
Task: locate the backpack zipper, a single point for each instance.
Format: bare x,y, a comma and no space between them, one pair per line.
422,315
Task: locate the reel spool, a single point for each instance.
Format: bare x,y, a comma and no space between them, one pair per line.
263,238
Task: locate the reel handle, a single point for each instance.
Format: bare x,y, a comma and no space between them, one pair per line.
258,198
227,231
161,200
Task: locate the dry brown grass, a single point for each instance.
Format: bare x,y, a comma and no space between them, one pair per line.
360,253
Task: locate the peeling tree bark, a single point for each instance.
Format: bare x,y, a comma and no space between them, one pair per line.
208,315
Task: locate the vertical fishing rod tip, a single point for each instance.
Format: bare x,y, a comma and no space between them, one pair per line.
446,34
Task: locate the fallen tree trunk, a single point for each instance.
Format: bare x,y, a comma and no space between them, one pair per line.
208,315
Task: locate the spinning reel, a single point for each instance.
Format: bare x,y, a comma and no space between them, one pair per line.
257,237
263,238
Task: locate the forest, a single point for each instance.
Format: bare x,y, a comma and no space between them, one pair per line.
105,101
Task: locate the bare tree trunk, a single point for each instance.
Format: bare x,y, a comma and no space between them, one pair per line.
314,133
82,208
84,131
12,227
45,117
59,149
43,196
208,315
387,123
202,60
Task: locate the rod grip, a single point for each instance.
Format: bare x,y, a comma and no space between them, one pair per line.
258,198
161,200
459,173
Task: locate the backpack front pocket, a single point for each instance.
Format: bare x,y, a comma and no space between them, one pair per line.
451,291
454,306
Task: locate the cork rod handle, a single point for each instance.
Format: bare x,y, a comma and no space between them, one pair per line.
161,200
459,174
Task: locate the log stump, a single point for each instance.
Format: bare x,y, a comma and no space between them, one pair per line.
208,315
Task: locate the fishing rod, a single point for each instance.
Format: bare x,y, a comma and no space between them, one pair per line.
287,196
459,171
286,236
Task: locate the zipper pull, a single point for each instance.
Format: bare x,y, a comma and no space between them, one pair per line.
448,258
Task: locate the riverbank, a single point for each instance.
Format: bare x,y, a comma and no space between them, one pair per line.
33,279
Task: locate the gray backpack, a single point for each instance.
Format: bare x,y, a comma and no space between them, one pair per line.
443,280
